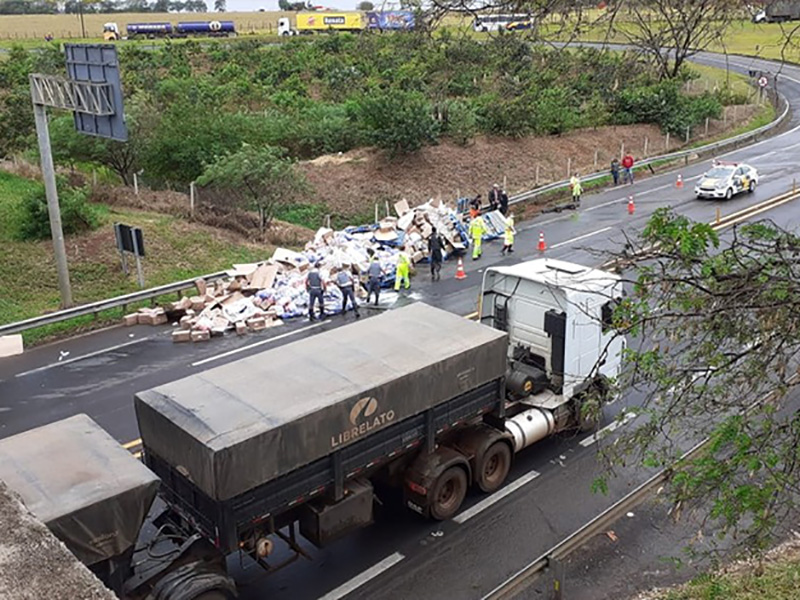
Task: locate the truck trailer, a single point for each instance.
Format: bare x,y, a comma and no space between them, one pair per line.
111,31
320,22
779,12
292,441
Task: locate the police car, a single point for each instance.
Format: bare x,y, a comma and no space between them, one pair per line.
725,180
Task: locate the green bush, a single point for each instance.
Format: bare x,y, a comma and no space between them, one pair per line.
462,122
77,214
555,111
398,121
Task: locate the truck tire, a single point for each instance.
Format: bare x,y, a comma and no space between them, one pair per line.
493,467
588,408
448,493
198,580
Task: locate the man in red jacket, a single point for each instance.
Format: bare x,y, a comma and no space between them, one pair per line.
627,168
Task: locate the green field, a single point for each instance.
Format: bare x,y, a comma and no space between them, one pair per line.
176,250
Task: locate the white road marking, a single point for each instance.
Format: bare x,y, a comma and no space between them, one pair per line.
359,580
496,497
599,435
579,238
68,361
256,345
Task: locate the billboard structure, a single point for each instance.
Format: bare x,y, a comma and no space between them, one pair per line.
92,91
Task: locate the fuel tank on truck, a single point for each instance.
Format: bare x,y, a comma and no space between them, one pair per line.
237,426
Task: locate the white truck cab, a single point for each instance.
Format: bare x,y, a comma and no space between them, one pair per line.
558,318
285,27
111,32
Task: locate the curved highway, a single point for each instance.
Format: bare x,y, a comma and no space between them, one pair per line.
548,495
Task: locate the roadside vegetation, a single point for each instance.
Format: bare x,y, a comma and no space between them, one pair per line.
176,250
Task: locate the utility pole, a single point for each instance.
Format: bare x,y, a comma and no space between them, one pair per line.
53,209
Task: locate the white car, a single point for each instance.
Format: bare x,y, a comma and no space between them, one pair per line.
725,180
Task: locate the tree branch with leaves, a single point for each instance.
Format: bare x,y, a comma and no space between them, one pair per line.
257,178
715,325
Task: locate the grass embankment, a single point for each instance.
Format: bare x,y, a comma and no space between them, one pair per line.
780,580
176,250
764,40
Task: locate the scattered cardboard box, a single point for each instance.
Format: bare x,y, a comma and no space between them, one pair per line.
11,345
200,336
130,320
181,335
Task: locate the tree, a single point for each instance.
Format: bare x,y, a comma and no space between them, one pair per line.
714,346
365,6
259,178
670,31
219,5
400,122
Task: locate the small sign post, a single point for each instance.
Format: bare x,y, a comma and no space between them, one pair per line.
130,239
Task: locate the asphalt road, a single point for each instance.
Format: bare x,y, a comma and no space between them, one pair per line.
401,555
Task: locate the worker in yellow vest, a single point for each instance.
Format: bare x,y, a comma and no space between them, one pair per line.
577,189
508,236
403,268
476,230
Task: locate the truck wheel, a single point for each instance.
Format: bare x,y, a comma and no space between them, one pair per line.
212,595
448,493
494,466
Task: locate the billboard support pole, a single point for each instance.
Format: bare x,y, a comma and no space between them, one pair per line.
51,192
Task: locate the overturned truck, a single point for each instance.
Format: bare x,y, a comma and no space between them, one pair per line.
291,441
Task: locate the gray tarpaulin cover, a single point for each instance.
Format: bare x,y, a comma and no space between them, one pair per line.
239,425
79,481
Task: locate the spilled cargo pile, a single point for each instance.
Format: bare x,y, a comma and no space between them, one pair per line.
256,296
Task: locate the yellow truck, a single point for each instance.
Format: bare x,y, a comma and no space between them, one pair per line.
312,22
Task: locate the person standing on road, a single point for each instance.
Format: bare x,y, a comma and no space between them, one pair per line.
316,292
344,279
435,254
615,170
475,207
627,168
508,236
374,278
577,189
476,230
402,273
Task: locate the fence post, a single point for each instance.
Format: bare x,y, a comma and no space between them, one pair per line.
734,113
687,133
724,118
537,174
135,184
646,142
505,182
191,198
666,144
569,167
596,152
376,212
622,149
94,178
706,126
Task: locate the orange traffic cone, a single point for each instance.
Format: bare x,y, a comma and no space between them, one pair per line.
679,183
542,245
631,205
460,274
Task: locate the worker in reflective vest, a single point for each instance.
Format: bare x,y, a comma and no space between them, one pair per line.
403,268
508,237
476,230
577,189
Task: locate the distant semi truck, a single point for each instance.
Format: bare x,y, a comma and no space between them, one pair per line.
249,456
778,12
320,22
112,32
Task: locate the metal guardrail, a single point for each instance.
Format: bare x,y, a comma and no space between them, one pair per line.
96,307
520,581
721,144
